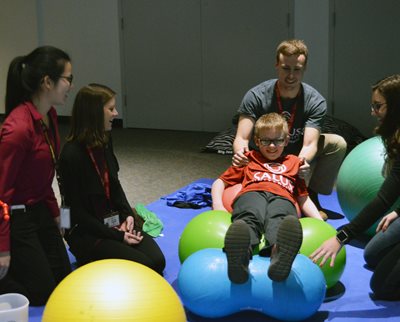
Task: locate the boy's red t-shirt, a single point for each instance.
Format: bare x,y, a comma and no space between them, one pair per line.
260,174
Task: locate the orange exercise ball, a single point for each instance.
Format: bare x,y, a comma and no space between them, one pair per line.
229,195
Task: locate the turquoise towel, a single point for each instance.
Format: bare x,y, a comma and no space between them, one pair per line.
152,224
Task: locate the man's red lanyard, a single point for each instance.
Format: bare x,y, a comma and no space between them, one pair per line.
105,179
280,107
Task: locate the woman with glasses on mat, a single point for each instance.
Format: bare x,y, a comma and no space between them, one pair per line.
103,224
33,257
382,253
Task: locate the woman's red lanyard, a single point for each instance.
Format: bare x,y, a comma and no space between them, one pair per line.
280,107
46,136
105,179
53,157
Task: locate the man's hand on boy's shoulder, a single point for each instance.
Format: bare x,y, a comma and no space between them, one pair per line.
304,170
240,159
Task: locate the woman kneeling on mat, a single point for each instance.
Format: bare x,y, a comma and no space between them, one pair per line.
33,258
103,224
382,253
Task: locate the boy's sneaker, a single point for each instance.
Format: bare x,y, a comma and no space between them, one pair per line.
289,239
237,249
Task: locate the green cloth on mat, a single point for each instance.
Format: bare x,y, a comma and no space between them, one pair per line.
152,224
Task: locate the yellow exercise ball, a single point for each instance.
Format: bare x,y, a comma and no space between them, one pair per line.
114,290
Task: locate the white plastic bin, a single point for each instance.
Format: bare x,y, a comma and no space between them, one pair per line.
14,307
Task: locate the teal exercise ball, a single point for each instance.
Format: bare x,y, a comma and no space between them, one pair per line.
206,230
360,178
315,232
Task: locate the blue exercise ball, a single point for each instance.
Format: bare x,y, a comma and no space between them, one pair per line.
206,290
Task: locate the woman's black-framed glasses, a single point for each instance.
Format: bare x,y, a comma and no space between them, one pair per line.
377,106
69,78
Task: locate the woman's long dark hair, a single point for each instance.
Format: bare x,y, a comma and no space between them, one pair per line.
26,73
389,128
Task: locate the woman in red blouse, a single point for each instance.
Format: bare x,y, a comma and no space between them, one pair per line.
33,258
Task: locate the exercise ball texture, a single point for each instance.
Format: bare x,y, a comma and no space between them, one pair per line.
114,290
360,178
229,195
206,230
206,290
315,232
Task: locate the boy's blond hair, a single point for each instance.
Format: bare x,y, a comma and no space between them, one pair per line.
271,121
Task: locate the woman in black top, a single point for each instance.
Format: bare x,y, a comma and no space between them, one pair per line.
382,253
103,224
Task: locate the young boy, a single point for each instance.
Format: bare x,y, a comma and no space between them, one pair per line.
266,203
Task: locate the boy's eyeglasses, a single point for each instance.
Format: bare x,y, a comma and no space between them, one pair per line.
276,142
377,106
69,78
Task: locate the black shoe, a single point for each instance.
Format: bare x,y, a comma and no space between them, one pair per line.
289,239
237,249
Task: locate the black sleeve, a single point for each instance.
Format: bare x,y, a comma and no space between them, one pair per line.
118,197
385,199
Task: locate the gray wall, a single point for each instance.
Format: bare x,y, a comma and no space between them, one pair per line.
311,23
189,63
15,37
89,31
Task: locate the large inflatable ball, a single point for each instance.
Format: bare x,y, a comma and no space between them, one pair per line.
229,195
206,230
114,290
206,290
315,232
360,178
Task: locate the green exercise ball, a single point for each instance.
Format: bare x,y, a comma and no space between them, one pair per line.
360,178
206,230
315,232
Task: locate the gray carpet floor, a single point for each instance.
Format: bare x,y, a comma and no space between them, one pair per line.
154,163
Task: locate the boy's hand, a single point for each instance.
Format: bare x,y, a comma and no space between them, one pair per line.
219,207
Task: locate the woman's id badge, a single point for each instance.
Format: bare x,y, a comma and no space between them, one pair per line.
65,218
112,219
